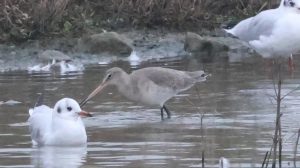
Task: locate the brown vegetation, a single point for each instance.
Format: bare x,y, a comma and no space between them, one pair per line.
25,19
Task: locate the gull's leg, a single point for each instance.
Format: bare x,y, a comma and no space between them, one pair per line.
291,63
167,111
162,113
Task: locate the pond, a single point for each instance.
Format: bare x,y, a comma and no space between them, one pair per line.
235,103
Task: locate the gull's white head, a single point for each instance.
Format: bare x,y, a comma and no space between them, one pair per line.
293,5
68,108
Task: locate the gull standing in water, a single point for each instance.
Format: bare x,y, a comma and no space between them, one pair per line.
273,32
150,86
61,126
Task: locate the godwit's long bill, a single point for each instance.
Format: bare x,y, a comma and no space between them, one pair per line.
150,86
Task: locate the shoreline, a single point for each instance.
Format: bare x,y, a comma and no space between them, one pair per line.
146,45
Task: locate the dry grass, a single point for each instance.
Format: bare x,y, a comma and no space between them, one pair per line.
13,15
48,12
23,19
177,13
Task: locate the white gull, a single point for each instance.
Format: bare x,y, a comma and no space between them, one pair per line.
61,126
273,32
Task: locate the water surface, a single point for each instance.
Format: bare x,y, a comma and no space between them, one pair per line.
236,102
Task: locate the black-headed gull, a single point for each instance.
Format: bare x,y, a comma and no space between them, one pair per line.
273,32
60,126
262,24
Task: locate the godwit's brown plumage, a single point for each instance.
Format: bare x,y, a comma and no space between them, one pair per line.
150,86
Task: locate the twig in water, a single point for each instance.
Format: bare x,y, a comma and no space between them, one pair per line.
277,134
201,126
290,92
271,100
274,85
295,150
270,153
203,161
266,155
202,114
280,142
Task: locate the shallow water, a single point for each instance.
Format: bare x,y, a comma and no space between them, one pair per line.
236,101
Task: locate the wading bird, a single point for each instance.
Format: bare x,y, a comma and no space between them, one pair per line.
150,86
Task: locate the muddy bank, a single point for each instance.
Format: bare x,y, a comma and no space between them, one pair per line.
93,49
134,47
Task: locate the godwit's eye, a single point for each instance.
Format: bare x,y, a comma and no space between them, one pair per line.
108,76
58,110
69,108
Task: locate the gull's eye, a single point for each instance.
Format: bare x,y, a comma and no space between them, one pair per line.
58,110
69,108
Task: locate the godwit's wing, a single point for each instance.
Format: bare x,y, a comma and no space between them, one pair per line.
165,78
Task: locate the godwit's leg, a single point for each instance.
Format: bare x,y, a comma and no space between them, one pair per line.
167,111
162,113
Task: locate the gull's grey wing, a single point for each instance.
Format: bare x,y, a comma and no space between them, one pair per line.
260,25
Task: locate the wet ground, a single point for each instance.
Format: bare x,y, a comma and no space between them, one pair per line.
236,104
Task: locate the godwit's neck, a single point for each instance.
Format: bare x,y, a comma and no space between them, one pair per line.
124,85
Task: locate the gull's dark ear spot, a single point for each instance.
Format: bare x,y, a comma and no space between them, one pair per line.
58,110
